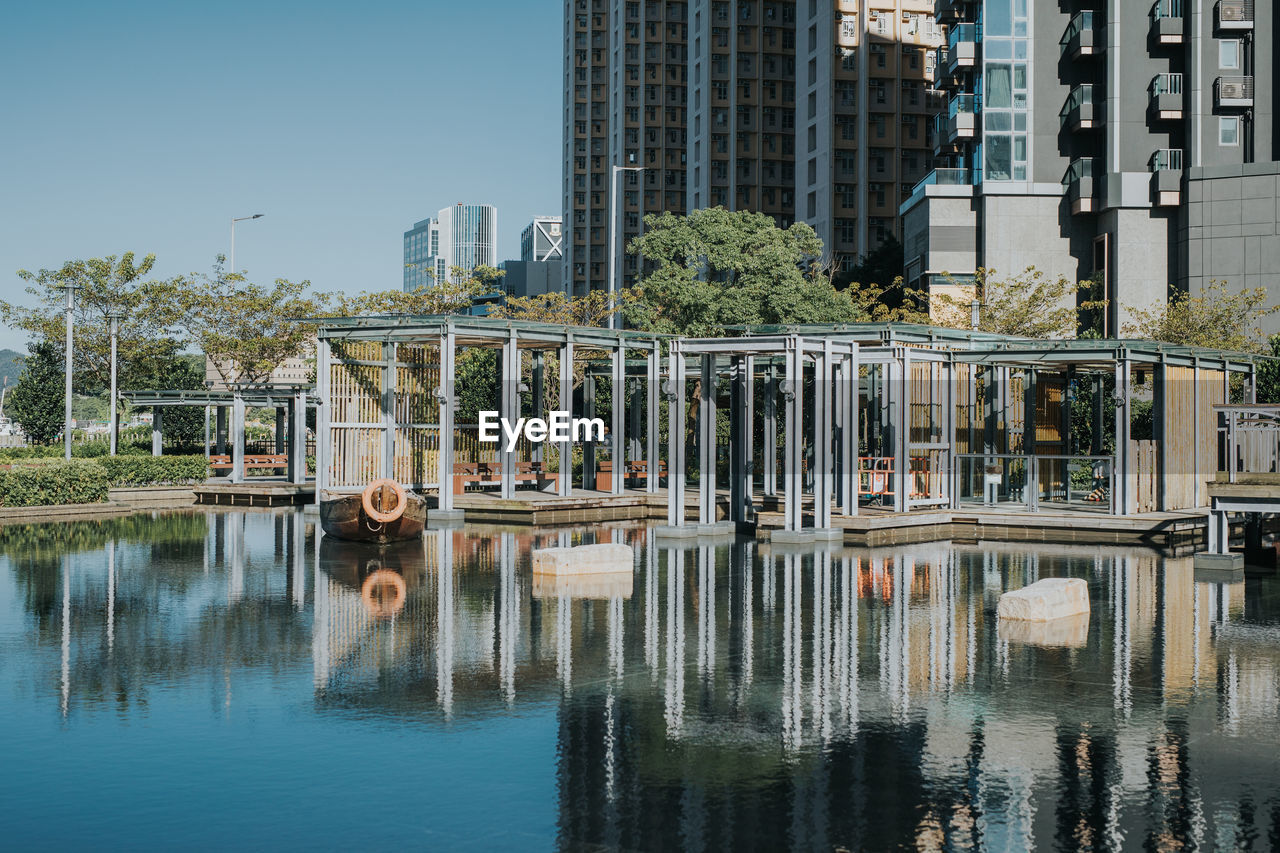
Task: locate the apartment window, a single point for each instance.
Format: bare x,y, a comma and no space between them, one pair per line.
1228,130
1229,53
846,230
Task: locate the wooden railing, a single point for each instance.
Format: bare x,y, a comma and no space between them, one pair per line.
1248,441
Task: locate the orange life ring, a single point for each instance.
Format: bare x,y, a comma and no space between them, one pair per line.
375,602
383,516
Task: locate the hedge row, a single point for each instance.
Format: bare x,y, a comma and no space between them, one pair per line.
79,481
46,482
153,470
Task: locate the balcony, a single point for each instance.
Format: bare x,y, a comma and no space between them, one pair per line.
961,121
1081,38
948,10
1166,22
1233,93
1166,177
1234,15
1166,96
962,47
1077,183
941,178
1080,112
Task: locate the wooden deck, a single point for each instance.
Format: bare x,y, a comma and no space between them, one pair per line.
545,508
257,491
1171,530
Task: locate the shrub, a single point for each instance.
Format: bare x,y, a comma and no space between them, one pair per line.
90,449
153,470
75,482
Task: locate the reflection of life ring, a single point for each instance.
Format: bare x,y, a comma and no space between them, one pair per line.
383,516
376,600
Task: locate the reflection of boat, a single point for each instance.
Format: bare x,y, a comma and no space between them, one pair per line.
383,512
382,574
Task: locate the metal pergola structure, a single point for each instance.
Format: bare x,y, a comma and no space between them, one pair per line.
915,392
445,334
289,401
953,358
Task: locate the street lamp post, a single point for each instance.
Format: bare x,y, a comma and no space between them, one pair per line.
615,322
114,319
70,290
233,236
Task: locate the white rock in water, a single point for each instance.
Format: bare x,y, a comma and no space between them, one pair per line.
1051,598
583,559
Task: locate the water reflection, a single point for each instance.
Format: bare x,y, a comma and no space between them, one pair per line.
718,695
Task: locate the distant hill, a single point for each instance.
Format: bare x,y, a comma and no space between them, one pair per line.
10,366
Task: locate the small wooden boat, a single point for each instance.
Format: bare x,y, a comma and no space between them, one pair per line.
383,512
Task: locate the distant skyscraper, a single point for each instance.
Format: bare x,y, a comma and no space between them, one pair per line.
463,236
541,265
542,240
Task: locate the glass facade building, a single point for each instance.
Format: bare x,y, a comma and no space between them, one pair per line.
464,236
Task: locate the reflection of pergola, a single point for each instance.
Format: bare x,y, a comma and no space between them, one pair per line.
289,401
392,402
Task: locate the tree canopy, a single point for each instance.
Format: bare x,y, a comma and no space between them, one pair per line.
1030,304
715,267
593,309
103,286
37,401
247,330
1216,317
454,295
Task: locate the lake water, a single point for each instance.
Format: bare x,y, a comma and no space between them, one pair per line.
224,680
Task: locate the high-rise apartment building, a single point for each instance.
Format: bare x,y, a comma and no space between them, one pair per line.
625,91
464,236
815,111
1123,141
864,113
742,97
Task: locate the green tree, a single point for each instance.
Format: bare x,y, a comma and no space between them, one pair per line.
1217,318
881,266
1268,389
452,296
37,401
246,329
593,309
104,286
715,267
1030,304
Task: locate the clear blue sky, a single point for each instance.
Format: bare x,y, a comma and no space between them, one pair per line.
146,126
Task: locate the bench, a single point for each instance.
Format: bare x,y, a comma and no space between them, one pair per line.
490,474
637,469
222,462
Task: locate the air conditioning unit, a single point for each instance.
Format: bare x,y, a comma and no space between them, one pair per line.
1231,12
1231,91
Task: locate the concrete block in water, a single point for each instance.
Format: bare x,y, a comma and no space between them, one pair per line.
1042,601
583,560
